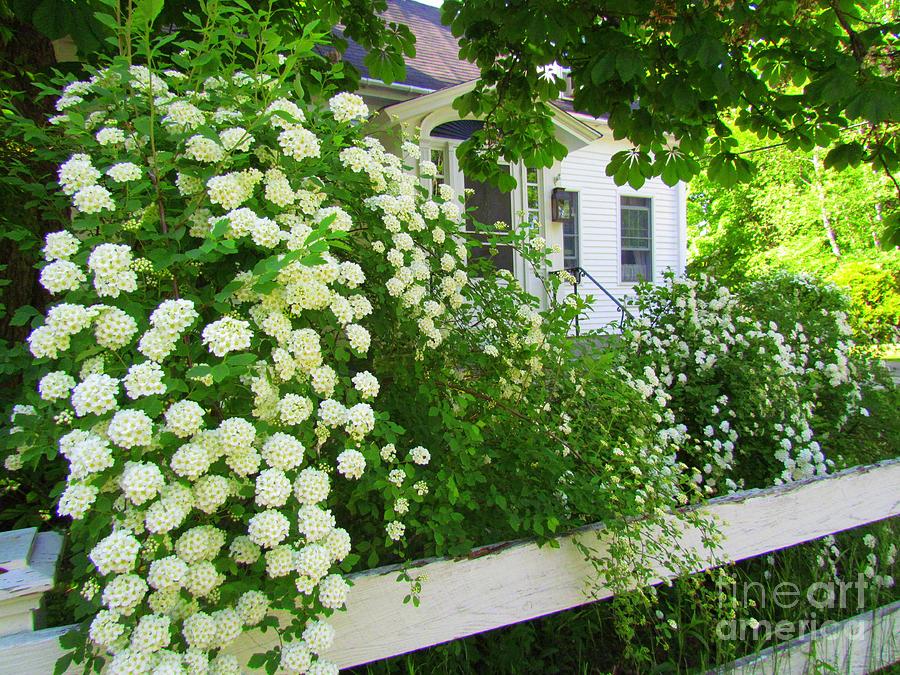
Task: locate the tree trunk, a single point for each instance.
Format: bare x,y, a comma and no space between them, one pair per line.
879,221
826,221
24,55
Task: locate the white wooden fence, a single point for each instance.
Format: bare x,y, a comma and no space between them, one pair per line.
515,581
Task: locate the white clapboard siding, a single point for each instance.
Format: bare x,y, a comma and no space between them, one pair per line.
862,644
515,581
584,170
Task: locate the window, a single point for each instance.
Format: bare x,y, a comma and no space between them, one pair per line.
567,213
564,209
636,239
491,206
532,197
439,157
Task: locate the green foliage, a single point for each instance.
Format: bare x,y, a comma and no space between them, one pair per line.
98,27
208,268
873,284
797,216
793,71
754,383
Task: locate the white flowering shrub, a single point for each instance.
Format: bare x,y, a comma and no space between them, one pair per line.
266,363
754,383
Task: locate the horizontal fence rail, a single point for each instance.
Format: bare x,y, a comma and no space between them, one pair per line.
507,583
858,645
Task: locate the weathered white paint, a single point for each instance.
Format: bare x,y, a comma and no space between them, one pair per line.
862,644
15,548
515,581
29,576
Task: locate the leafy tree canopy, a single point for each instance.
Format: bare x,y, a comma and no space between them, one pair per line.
794,215
668,73
91,26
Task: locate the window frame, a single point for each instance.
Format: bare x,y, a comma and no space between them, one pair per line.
651,249
449,177
578,233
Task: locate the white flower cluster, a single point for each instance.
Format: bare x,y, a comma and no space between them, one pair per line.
111,265
707,334
346,107
176,450
227,335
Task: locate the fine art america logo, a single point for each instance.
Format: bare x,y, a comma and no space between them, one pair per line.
818,597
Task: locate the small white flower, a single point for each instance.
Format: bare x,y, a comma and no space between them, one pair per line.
124,172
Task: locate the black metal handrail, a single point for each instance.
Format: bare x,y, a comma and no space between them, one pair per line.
579,272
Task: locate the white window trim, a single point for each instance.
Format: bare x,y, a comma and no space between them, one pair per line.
619,195
579,233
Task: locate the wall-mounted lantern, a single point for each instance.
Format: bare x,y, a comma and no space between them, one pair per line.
562,205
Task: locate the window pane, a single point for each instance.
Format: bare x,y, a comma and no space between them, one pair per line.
635,223
636,266
635,228
570,251
437,156
638,243
490,205
533,197
636,239
531,176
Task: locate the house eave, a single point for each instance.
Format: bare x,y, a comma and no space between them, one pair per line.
403,111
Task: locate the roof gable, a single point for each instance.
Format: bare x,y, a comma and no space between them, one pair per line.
424,107
436,64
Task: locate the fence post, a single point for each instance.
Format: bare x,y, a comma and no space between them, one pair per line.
28,561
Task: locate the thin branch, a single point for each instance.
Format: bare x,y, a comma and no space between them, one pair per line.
516,413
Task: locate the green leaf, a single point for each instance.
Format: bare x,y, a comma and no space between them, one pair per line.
256,661
452,491
146,11
201,370
219,229
226,292
628,64
728,169
603,68
23,315
62,663
505,182
106,20
844,155
241,359
220,372
53,18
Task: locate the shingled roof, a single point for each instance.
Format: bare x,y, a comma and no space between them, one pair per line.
436,64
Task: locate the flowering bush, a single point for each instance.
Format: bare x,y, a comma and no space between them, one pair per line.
266,358
753,383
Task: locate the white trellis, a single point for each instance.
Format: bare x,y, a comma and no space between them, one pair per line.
515,581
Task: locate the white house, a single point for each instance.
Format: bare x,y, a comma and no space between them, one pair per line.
616,235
